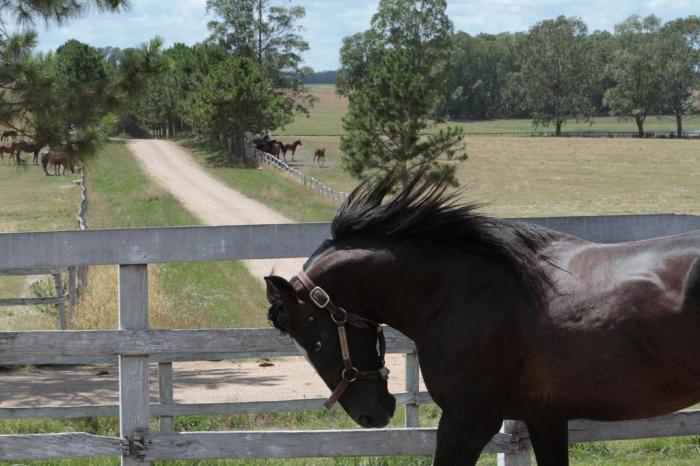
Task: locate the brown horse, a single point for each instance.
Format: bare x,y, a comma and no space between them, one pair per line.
60,162
6,150
271,147
510,320
290,147
7,135
320,155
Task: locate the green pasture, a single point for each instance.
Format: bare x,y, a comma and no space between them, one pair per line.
326,120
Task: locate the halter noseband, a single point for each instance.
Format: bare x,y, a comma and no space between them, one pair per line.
341,317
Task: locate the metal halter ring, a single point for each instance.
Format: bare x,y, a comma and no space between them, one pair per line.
340,321
354,372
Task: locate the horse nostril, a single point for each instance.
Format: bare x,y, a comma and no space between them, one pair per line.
364,421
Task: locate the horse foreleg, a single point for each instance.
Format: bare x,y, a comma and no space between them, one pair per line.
550,440
461,438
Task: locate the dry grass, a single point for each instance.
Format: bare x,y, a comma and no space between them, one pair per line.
569,176
98,309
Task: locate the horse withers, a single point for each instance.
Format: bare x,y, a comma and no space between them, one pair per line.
510,321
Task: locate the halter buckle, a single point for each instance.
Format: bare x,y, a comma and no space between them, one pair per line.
319,297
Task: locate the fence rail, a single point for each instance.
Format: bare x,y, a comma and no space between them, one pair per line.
135,346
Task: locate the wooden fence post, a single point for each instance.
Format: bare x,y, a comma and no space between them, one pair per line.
165,391
412,387
61,306
133,369
72,290
521,457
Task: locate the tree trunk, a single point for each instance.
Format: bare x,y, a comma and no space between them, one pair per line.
260,20
640,125
557,131
679,125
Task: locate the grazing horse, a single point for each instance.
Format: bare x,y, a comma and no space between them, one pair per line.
61,163
510,321
6,150
290,147
26,146
320,155
7,135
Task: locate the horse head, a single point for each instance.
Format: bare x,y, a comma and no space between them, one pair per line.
342,346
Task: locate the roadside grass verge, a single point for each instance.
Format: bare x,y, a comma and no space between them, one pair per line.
276,190
187,295
32,201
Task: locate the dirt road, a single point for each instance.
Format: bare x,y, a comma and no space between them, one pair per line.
207,198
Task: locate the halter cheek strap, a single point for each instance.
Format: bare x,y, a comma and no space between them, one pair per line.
341,317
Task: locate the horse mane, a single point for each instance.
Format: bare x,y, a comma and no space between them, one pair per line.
425,210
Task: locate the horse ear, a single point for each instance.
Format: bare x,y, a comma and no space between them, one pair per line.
279,290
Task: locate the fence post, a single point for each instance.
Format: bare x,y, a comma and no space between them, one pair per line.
165,392
521,457
61,305
133,369
72,290
412,387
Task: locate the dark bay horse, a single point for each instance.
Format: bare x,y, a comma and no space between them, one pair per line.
511,321
26,146
272,147
320,155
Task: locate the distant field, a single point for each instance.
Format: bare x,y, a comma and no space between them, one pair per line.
552,176
326,120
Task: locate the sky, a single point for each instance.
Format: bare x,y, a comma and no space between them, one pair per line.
328,21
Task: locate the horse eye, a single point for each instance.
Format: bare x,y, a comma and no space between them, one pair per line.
317,346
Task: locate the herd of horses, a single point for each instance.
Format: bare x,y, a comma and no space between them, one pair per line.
279,149
60,163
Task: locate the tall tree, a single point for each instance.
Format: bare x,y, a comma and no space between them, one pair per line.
235,97
481,66
18,38
681,77
637,67
395,75
270,35
556,71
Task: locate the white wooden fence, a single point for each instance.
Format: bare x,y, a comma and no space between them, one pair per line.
135,345
253,153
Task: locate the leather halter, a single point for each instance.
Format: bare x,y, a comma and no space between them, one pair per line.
341,317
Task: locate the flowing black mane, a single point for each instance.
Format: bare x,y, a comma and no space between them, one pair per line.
426,210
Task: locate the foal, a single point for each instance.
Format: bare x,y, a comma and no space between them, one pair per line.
290,147
320,155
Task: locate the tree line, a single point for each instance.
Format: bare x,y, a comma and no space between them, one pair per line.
557,71
246,77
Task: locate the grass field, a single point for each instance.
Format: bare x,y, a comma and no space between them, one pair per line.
326,120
